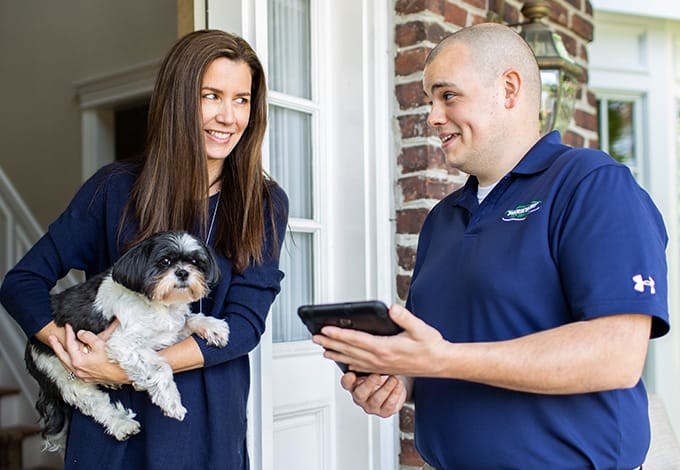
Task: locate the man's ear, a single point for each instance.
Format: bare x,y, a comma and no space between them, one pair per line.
512,85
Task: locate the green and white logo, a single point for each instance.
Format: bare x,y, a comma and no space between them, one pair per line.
521,212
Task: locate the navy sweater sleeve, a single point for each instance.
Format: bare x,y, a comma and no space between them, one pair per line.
245,299
73,241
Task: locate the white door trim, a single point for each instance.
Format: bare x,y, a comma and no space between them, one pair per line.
379,198
98,98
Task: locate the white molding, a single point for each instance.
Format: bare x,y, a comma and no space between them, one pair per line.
98,97
118,87
200,14
97,139
227,15
316,415
379,172
653,8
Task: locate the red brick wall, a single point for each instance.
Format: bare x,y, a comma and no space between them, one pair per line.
423,176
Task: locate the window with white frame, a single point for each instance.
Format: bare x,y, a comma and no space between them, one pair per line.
293,120
620,130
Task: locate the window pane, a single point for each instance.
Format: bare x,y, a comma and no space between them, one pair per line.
290,47
621,134
290,150
296,289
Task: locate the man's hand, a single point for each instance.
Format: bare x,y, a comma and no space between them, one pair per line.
413,352
375,394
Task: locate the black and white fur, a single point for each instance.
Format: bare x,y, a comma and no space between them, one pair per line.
148,290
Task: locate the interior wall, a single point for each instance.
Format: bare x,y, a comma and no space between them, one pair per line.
47,47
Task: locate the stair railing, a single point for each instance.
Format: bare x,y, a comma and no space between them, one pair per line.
19,230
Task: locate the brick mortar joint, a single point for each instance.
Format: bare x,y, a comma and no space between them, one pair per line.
409,142
419,111
417,204
405,435
427,15
434,174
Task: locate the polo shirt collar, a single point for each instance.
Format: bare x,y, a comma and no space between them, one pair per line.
537,159
540,156
467,197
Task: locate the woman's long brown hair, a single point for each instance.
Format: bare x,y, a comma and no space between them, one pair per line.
171,190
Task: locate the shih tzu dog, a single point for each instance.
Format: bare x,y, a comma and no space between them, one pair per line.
149,290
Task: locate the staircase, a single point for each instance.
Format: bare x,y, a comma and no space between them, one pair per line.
20,441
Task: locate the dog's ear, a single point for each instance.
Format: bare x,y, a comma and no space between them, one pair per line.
131,269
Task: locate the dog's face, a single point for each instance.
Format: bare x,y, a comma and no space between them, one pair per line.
168,267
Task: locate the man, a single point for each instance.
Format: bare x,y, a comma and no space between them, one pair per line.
536,288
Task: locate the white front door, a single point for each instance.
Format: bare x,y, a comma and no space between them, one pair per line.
328,146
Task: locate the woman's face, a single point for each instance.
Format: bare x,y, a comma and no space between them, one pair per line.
225,107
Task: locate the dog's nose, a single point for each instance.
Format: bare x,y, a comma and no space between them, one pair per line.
182,274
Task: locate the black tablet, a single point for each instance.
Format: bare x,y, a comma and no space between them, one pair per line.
370,316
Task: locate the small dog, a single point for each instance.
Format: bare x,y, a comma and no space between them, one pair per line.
148,290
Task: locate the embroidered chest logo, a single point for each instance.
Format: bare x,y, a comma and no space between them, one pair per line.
521,212
641,284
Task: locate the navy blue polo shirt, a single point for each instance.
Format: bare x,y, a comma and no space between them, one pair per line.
568,235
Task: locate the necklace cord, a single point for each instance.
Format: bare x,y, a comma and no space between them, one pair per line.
207,238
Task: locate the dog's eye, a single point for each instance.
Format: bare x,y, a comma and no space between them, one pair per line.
194,261
166,262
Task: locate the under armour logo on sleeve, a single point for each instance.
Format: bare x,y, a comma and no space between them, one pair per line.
641,284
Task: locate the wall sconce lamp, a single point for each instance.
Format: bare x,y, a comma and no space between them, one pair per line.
559,73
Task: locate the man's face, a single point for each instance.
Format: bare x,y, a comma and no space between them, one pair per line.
464,109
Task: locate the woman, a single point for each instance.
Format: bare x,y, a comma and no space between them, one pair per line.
202,172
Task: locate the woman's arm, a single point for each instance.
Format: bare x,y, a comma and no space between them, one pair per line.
246,297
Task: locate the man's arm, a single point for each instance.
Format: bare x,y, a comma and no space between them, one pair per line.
588,356
600,354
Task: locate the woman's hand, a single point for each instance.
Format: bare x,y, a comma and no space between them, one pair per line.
86,356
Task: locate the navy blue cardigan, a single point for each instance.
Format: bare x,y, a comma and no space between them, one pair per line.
213,433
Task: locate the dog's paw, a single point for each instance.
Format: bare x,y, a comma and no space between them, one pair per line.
214,331
56,442
124,425
176,412
217,334
124,430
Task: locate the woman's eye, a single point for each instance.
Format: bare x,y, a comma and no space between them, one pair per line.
449,95
210,96
242,100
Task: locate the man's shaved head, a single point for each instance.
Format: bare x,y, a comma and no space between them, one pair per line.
495,48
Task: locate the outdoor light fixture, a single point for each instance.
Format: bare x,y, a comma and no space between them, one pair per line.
559,73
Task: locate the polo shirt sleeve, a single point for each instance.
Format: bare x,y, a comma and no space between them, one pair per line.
610,246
